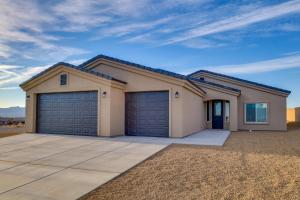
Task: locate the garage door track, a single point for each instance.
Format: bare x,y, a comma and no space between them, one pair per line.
36,166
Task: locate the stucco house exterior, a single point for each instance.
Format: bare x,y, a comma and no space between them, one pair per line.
105,96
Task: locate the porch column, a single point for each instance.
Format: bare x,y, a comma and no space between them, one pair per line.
233,114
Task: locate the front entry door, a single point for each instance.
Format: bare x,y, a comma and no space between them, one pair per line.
217,114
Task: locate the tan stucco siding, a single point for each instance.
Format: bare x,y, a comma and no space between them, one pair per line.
192,113
117,116
139,82
276,106
75,84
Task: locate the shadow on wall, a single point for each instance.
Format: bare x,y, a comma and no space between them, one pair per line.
293,114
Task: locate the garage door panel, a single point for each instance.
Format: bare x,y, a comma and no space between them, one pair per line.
67,113
147,113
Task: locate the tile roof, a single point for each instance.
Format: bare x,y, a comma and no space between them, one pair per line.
199,80
160,71
242,80
189,78
73,67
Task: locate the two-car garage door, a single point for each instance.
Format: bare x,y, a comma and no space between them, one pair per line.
67,113
147,113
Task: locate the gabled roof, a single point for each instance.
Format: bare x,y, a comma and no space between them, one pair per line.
160,71
73,67
200,80
84,65
242,81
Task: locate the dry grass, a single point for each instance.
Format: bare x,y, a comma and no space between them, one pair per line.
6,131
293,125
260,165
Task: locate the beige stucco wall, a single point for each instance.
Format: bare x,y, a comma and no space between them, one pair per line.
78,83
276,106
185,113
181,122
193,113
117,116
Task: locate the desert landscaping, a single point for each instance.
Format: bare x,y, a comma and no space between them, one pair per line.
11,130
257,165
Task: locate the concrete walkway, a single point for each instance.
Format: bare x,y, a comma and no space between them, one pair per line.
38,167
205,137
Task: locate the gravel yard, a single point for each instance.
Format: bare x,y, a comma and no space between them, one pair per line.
257,165
6,131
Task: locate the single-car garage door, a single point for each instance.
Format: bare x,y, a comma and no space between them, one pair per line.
73,113
147,114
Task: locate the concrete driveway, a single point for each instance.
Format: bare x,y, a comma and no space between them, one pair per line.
36,166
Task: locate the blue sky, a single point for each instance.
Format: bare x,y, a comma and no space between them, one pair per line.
254,40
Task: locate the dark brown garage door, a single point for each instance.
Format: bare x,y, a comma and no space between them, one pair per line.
73,113
147,114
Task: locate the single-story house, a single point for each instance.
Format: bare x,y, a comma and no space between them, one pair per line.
105,96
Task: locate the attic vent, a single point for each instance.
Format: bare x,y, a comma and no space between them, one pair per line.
63,79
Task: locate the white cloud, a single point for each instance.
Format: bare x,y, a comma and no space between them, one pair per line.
282,63
11,76
240,20
133,27
143,38
81,15
5,50
77,61
27,23
200,43
35,23
17,16
9,88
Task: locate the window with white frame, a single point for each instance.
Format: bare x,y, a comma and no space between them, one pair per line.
256,113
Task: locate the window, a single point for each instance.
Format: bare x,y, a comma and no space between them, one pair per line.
63,79
256,113
207,111
227,110
218,109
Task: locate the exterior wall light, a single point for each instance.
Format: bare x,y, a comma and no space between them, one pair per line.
104,94
176,94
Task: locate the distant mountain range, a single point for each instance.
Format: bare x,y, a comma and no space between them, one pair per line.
12,112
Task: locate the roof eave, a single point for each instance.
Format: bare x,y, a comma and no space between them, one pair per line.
272,89
63,64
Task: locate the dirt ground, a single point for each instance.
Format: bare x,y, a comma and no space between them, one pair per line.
6,131
257,165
